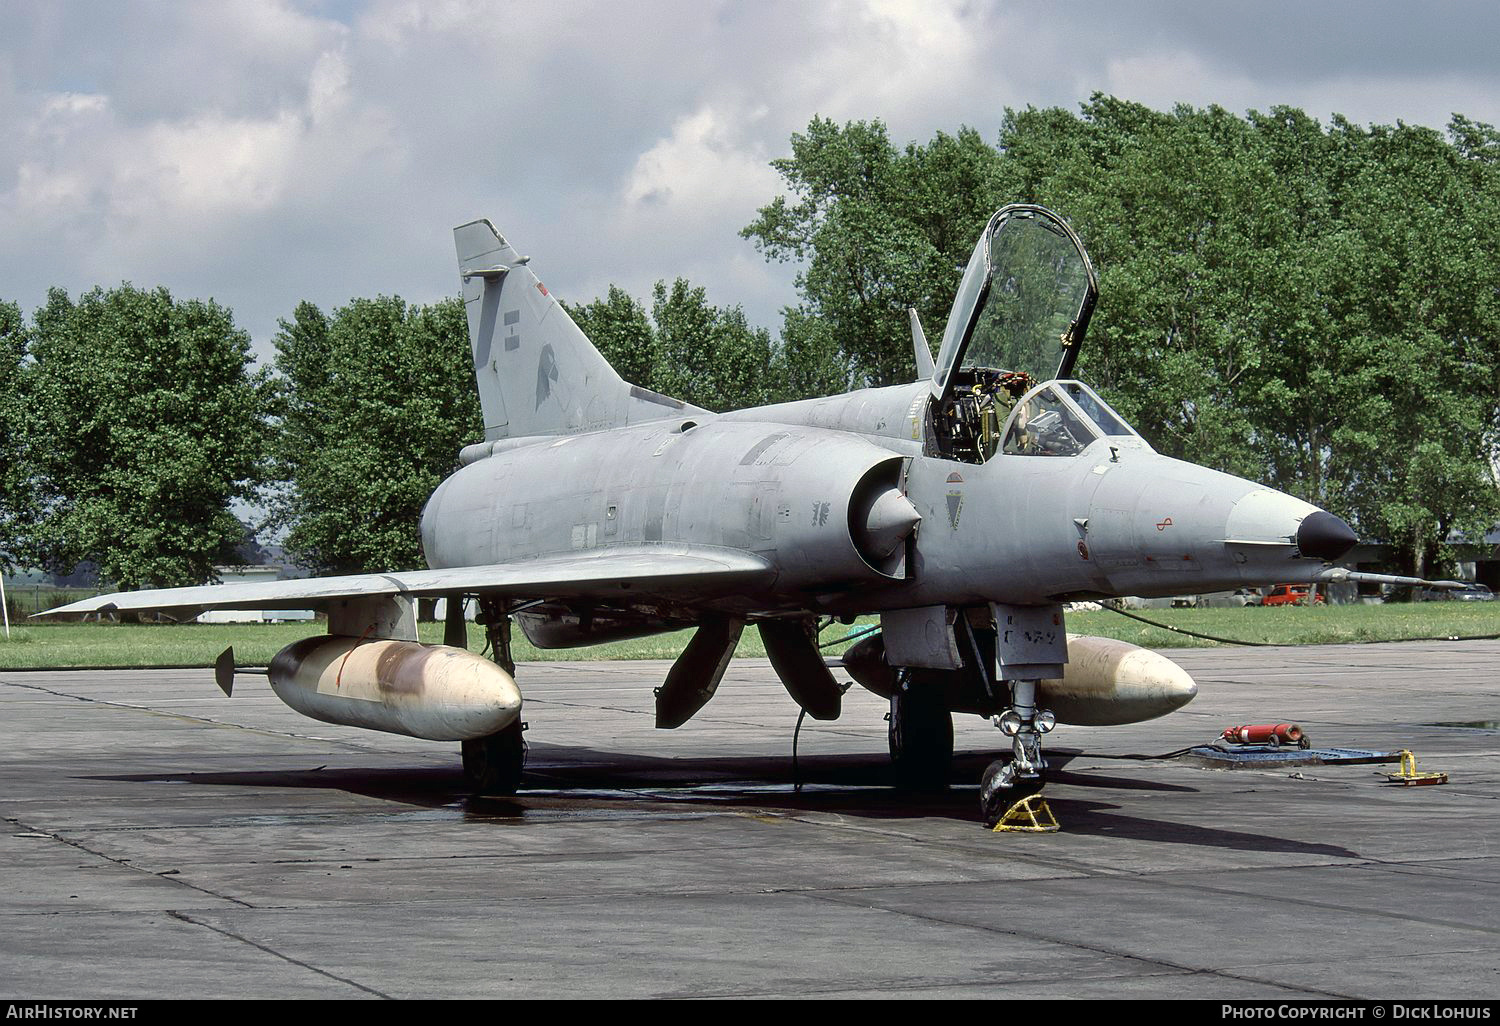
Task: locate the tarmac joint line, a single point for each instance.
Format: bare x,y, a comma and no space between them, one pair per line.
185,918
1161,965
171,875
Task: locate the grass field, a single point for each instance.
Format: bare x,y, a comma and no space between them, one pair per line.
104,644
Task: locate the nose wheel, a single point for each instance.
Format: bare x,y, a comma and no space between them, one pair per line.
1002,786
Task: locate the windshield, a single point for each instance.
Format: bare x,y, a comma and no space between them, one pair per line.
1045,425
1061,418
1087,400
1024,302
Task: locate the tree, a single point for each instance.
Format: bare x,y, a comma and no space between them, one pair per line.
688,348
1177,210
376,402
878,230
1312,308
1418,310
622,331
807,361
710,356
143,422
12,480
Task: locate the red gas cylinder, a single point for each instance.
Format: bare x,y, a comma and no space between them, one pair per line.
1266,734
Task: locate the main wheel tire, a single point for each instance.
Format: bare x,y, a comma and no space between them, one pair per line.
492,765
921,739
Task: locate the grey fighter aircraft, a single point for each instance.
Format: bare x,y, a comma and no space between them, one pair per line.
965,509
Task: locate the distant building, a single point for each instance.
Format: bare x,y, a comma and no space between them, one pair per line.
264,573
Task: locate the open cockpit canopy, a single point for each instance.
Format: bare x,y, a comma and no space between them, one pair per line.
1023,304
1018,319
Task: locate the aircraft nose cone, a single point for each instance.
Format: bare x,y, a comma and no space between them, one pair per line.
1325,536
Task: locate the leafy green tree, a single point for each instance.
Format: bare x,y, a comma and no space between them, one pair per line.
688,348
877,230
621,329
12,479
1176,211
144,420
376,401
710,356
1312,308
807,361
1416,303
302,384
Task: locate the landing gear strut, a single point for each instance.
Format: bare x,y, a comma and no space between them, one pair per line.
492,765
496,623
1007,781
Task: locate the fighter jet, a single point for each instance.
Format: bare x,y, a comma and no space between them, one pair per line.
965,509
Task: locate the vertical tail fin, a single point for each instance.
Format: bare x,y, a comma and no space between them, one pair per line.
538,373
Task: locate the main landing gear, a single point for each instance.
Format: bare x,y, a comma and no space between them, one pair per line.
492,765
921,735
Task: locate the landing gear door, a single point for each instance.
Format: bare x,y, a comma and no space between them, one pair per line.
1023,305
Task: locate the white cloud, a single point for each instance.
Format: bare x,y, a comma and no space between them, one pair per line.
705,167
209,165
172,172
328,86
265,152
892,59
66,105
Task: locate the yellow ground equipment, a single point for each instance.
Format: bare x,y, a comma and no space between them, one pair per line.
1029,815
1409,777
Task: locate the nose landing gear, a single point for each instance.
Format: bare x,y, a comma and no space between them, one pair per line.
1008,781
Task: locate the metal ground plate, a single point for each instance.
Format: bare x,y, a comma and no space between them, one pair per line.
1270,757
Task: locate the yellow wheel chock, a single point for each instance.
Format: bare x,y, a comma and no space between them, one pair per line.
1409,777
1029,815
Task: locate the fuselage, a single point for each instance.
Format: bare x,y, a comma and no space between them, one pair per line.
1112,518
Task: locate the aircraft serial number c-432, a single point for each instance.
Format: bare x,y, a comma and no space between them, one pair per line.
964,508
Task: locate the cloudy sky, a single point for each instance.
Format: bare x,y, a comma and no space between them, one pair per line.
267,151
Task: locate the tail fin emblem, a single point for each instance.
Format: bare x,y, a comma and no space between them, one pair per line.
546,373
